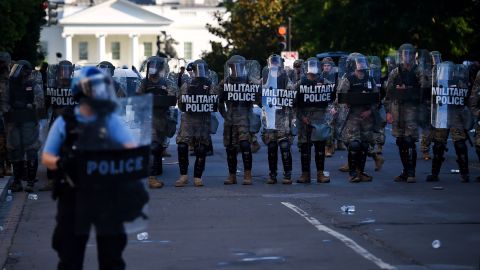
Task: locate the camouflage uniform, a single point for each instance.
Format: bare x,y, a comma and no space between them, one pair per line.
358,131
403,105
236,129
456,124
194,126
23,101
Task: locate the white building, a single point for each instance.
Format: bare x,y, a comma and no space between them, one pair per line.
125,33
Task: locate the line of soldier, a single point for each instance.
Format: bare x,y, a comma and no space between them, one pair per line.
316,101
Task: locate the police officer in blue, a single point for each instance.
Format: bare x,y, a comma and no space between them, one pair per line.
92,123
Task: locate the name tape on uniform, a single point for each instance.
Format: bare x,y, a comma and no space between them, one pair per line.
199,103
61,97
278,97
241,92
449,95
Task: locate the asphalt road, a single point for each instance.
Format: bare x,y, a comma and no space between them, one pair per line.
282,227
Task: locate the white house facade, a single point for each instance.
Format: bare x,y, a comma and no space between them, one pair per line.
125,33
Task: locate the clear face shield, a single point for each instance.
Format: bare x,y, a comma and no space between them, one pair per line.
406,57
200,71
436,58
237,70
64,74
156,68
98,87
107,70
312,67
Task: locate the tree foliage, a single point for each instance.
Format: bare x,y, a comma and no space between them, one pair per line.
20,28
371,27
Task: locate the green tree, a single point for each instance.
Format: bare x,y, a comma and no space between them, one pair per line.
250,27
20,28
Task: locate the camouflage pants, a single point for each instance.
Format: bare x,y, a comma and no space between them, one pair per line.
234,134
358,129
405,122
23,139
441,134
269,136
426,138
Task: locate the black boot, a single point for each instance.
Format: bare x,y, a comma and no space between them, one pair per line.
32,167
18,170
412,164
437,160
352,166
287,162
305,162
462,160
272,162
232,165
403,152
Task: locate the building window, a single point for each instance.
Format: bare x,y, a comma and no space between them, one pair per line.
116,50
83,50
187,50
147,49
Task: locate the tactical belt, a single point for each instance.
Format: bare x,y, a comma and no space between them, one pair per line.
407,95
359,98
164,101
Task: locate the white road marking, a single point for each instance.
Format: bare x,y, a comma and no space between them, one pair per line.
347,241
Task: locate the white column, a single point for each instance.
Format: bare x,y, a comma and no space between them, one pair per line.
101,47
68,47
135,51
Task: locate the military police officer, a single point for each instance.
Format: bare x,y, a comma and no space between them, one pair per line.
23,98
164,91
197,100
238,92
404,94
359,91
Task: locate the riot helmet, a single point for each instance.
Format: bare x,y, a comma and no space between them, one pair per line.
156,67
406,54
436,57
357,63
200,69
95,89
275,61
237,66
64,73
390,63
21,70
107,68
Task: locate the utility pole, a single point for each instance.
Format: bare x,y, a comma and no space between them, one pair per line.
289,34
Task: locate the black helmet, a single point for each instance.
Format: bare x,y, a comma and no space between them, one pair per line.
156,66
107,68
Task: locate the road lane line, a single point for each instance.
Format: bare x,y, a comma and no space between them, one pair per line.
347,241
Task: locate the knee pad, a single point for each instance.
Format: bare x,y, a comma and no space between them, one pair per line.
365,146
182,148
245,146
460,146
156,148
201,150
272,146
409,141
284,145
438,148
400,141
355,146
